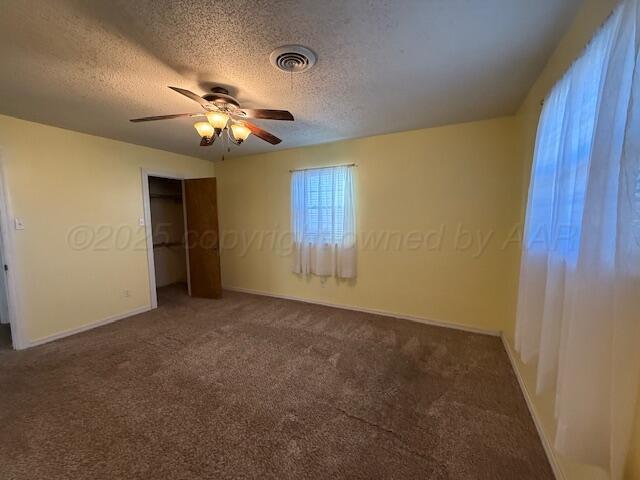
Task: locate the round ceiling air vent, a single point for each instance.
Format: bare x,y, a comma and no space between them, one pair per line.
292,58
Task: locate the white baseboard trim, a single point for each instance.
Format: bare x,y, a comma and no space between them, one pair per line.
546,443
384,313
84,328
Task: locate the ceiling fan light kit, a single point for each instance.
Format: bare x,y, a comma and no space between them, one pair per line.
205,130
240,132
218,120
225,118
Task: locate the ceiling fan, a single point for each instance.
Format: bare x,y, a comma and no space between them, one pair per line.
224,114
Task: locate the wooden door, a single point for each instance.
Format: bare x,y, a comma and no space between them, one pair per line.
203,246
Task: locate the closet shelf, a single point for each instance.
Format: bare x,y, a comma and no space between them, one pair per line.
168,244
166,196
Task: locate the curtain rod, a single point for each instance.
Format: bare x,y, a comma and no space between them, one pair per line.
597,31
319,168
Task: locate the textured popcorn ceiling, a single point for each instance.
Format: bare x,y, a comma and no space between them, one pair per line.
383,66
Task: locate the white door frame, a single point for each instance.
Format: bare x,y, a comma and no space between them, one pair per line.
146,202
18,338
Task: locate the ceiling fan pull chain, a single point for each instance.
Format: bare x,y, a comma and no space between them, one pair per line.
224,141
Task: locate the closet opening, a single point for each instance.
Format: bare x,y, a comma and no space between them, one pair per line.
168,234
181,232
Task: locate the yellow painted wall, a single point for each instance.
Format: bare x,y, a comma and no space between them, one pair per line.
409,185
57,180
590,17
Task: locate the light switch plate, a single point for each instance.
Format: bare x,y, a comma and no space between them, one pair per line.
19,223
141,221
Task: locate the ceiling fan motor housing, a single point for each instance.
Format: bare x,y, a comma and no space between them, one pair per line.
221,95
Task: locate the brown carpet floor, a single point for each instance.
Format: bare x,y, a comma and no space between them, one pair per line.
254,387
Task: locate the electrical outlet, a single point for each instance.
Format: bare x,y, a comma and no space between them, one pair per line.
141,221
19,224
126,293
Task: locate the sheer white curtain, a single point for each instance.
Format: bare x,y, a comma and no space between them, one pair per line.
579,299
323,222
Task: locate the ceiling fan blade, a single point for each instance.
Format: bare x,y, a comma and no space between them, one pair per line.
165,117
205,142
263,134
191,95
267,114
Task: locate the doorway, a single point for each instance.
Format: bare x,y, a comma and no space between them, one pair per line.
5,325
181,224
11,335
168,234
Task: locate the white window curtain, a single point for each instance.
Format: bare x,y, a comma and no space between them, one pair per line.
323,221
579,296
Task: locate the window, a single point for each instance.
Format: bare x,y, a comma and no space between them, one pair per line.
563,152
578,302
324,205
323,221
